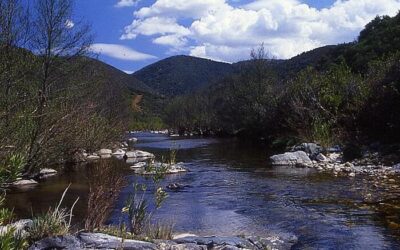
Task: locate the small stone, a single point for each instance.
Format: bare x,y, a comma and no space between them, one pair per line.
352,174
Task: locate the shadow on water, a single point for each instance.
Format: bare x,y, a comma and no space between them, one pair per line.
232,191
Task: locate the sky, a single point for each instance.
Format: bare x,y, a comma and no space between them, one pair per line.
130,34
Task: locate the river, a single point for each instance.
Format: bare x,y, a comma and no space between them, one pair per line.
233,191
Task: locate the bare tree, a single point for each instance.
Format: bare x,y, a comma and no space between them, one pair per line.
58,40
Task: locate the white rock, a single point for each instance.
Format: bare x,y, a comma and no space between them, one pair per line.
133,139
105,156
139,165
119,152
24,183
93,157
335,157
139,154
105,151
47,172
321,158
352,174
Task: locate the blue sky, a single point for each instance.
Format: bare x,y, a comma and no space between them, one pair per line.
130,34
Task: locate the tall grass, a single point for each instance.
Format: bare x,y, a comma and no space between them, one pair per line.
57,221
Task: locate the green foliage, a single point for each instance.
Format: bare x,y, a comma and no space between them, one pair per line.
11,240
11,168
6,215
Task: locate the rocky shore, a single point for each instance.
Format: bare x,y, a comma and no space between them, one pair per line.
311,155
102,241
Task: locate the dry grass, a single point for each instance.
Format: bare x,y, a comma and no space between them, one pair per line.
105,184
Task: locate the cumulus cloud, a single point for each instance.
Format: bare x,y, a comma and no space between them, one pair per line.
126,3
218,30
119,52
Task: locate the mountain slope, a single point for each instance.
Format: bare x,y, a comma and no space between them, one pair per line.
182,74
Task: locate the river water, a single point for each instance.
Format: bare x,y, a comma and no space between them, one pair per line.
231,190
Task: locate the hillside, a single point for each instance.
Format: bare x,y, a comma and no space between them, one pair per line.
182,74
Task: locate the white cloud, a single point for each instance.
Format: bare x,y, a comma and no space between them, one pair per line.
154,26
69,24
215,29
126,3
119,52
129,72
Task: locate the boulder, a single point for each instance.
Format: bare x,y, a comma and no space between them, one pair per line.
312,149
291,159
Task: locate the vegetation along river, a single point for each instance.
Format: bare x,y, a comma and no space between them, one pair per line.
231,190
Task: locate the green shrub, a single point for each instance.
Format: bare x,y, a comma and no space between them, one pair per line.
11,168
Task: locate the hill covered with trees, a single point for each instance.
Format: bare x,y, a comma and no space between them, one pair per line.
335,94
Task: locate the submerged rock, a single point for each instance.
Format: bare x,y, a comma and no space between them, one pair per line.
176,186
291,159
